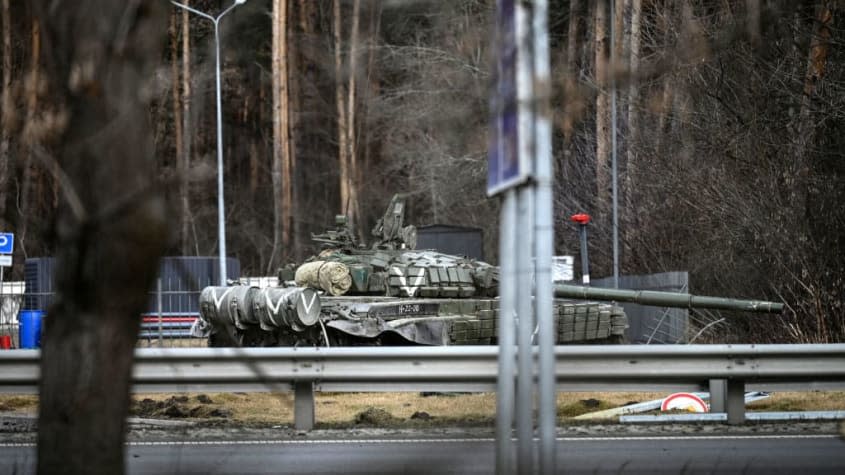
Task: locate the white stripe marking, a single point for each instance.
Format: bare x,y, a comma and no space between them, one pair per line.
218,302
307,304
488,440
274,307
411,290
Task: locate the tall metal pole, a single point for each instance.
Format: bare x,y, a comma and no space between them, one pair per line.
525,331
507,336
525,244
543,239
221,215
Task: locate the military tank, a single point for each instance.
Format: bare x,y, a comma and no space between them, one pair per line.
390,293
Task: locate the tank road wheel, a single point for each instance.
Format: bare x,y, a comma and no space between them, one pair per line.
335,337
255,338
222,339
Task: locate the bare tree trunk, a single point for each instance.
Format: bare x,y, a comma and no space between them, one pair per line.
110,231
571,96
633,107
276,160
186,216
342,136
351,126
665,108
281,144
291,112
8,110
603,130
816,65
752,11
284,128
619,33
31,111
175,81
295,27
373,86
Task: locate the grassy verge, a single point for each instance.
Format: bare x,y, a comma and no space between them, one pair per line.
394,410
172,343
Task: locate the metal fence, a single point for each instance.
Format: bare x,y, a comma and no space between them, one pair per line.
173,302
653,325
175,309
11,300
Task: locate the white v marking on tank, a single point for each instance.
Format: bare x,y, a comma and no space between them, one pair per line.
219,301
403,283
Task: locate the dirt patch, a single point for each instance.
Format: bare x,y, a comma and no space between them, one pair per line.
376,417
178,407
421,415
203,399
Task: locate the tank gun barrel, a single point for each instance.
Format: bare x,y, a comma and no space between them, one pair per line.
666,299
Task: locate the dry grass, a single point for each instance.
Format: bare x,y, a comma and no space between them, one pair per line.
172,343
809,401
407,409
21,404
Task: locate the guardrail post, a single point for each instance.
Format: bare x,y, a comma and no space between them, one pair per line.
718,395
303,405
736,401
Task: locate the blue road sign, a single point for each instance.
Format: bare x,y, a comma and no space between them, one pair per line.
505,168
7,241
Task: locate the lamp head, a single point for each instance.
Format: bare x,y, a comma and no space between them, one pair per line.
240,2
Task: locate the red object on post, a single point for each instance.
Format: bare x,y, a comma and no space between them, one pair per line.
581,218
5,342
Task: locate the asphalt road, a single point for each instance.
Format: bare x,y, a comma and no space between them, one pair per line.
764,454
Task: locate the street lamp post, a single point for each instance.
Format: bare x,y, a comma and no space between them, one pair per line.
221,220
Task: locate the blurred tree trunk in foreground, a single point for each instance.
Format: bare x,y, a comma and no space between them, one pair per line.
110,231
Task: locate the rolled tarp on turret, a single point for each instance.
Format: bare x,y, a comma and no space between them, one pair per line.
332,277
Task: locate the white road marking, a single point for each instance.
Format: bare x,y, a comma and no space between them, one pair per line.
485,440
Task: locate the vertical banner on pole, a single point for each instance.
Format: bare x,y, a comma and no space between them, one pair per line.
506,168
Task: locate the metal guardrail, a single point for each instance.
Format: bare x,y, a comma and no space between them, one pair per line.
724,369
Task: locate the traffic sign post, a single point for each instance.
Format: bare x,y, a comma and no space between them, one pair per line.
7,242
506,167
520,168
